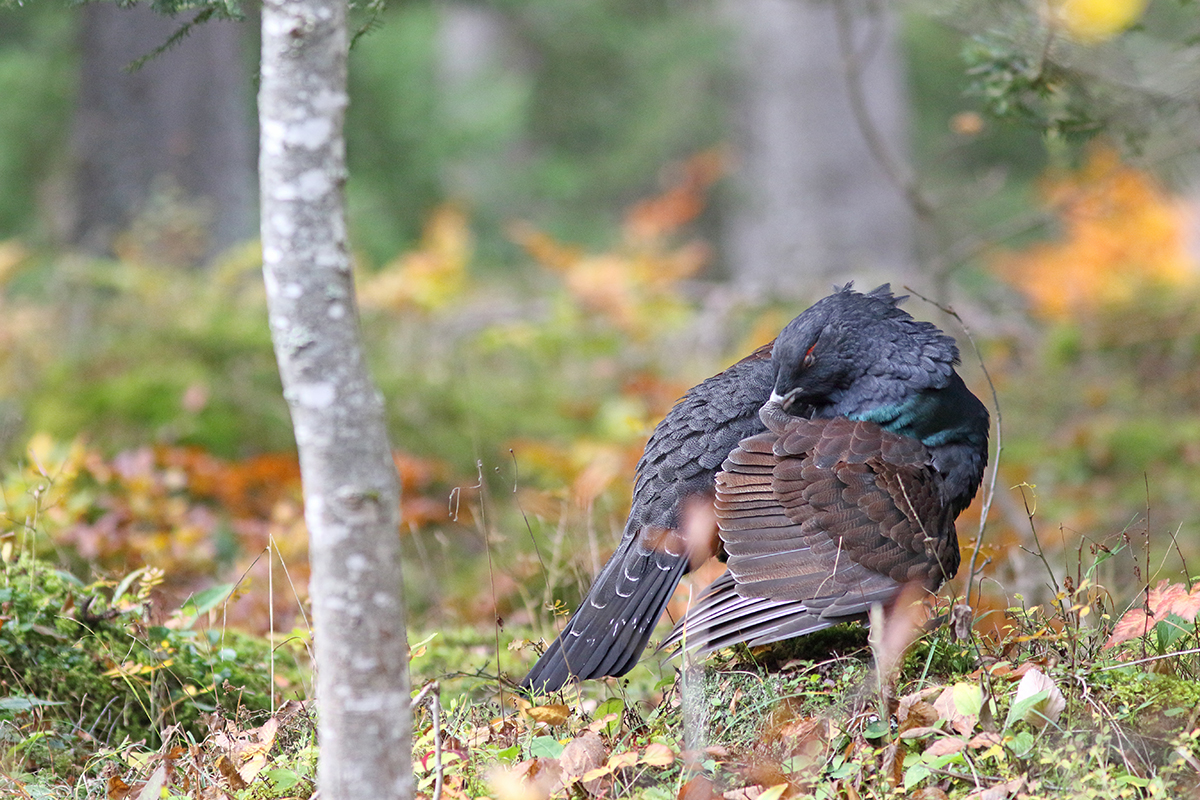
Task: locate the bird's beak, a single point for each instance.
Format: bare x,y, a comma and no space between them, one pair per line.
785,401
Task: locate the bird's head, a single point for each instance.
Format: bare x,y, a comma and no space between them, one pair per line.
857,346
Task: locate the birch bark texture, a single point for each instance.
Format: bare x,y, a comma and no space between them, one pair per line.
351,490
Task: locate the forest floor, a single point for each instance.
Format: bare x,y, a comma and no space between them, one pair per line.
1050,706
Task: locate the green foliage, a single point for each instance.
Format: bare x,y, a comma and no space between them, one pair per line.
1065,70
1014,86
36,67
92,672
570,117
199,370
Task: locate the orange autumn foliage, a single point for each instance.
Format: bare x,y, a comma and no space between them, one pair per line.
428,278
1161,602
196,517
1123,234
635,286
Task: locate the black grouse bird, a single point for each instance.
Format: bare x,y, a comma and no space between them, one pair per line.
842,490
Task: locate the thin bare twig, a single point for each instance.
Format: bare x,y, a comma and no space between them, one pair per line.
487,546
990,494
1147,660
1040,552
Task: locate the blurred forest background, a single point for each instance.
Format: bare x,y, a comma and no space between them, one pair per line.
563,215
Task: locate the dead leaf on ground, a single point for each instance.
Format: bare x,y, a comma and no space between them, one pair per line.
117,789
534,779
928,793
960,705
945,746
581,760
917,714
600,724
982,740
229,772
698,788
1001,791
775,792
909,701
657,755
551,715
892,764
746,793
1044,711
1162,601
155,784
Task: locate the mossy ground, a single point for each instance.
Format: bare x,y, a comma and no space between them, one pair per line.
96,698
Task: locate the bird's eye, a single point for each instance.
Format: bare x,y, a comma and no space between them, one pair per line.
809,358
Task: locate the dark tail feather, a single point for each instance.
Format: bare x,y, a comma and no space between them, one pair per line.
613,624
721,617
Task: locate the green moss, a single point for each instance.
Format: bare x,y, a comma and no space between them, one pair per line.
1148,703
86,678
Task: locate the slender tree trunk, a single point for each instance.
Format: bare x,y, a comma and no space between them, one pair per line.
351,492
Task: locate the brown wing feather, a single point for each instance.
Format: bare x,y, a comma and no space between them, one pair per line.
857,496
821,519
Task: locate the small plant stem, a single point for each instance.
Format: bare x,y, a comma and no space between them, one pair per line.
434,692
1147,660
1040,553
990,493
883,666
487,545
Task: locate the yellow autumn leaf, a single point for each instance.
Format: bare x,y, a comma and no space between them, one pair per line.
429,277
550,715
774,793
1122,235
658,755
1096,20
130,669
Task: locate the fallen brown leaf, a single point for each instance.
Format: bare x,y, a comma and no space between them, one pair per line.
918,714
1001,791
657,755
584,755
945,746
229,772
928,793
959,705
745,793
905,708
982,740
550,715
698,788
117,789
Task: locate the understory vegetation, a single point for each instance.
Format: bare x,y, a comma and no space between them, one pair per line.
153,630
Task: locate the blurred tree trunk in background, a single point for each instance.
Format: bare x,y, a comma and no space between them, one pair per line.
477,57
171,144
812,203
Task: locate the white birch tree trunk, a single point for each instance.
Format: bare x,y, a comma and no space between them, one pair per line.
351,491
